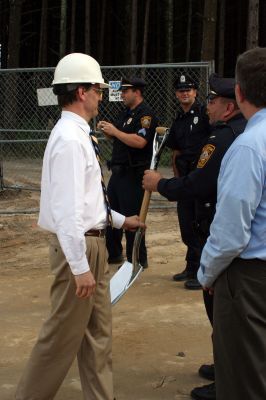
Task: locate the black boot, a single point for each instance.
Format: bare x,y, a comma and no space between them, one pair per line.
207,371
183,276
192,284
206,392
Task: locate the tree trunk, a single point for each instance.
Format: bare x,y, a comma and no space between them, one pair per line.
62,47
188,29
73,26
87,26
10,95
14,33
146,30
169,30
253,24
102,32
209,30
221,38
134,29
42,58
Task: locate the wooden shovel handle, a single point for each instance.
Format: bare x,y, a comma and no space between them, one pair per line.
145,206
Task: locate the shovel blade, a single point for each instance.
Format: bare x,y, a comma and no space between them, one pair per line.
119,281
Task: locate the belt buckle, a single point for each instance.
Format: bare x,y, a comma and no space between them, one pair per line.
101,232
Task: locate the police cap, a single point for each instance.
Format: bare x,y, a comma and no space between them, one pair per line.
221,87
185,82
134,82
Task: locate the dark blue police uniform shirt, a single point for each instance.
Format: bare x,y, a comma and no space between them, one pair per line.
142,121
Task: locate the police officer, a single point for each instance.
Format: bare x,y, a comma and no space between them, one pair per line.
201,184
132,134
187,135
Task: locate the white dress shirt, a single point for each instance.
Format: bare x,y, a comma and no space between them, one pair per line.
72,200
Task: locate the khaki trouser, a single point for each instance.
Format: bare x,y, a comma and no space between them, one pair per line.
75,326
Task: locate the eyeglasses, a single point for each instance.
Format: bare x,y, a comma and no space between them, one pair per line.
98,90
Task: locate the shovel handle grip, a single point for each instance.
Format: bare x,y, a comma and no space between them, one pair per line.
145,206
160,130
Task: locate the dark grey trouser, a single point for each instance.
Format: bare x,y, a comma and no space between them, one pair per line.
239,331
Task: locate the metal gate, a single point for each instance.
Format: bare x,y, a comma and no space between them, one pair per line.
25,126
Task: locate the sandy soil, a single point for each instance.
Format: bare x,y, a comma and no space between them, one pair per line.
161,334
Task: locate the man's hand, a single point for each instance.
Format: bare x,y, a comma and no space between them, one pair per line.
150,180
108,128
132,223
101,125
85,285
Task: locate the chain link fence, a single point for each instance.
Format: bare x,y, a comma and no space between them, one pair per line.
25,126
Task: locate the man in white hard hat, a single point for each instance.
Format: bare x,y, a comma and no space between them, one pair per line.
75,209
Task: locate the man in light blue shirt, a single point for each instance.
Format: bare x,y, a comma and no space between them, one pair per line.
233,262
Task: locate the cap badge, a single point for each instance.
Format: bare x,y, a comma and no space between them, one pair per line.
182,78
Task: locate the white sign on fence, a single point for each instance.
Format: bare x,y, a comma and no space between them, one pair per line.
114,92
46,97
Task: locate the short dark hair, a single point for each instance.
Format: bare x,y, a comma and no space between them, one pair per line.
251,75
227,100
70,96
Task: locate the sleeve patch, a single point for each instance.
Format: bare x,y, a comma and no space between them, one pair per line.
145,121
205,155
142,132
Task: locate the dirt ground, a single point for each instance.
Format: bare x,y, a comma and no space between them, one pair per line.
161,334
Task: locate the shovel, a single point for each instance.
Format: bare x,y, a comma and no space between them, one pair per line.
129,272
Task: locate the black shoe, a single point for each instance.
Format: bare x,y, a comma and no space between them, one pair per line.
183,276
207,371
192,284
206,392
115,260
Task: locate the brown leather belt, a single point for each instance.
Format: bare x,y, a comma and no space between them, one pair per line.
96,232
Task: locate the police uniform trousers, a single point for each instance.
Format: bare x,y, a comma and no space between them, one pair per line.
75,327
186,216
207,298
125,195
239,334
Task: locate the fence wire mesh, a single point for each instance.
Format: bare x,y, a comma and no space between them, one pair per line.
25,126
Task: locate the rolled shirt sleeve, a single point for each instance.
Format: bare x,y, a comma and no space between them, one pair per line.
118,219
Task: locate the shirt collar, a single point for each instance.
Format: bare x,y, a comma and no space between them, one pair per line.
259,115
78,119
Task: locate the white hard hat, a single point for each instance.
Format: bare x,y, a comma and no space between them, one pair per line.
78,68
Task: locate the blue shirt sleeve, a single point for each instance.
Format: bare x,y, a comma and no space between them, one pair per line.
240,187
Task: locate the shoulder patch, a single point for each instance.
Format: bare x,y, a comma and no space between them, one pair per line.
145,121
205,155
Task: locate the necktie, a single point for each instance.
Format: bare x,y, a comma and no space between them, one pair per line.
94,141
